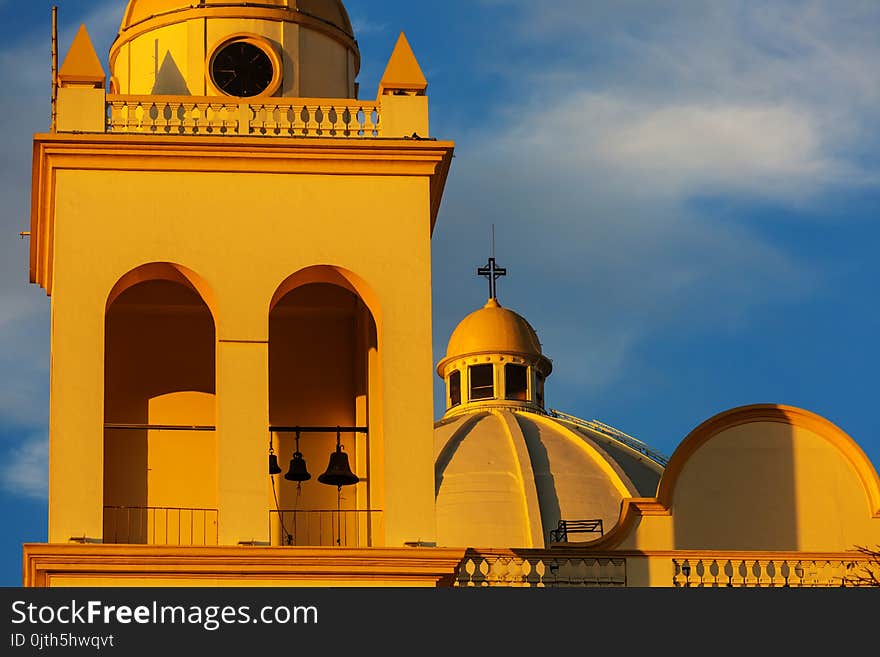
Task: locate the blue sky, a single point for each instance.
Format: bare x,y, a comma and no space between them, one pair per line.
686,197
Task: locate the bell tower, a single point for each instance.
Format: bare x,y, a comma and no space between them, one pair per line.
214,222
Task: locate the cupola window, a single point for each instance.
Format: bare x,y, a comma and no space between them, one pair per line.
482,382
516,384
539,389
455,389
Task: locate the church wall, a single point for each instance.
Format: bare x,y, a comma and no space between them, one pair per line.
771,486
327,74
761,480
244,234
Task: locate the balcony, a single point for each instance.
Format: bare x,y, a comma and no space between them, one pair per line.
345,528
160,526
787,570
189,115
539,569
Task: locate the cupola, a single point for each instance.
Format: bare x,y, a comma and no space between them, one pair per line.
494,357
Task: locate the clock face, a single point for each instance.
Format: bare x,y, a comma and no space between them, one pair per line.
242,69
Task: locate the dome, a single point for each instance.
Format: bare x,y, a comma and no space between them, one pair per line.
506,477
169,48
331,12
494,329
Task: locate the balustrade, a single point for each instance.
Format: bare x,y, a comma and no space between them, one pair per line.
524,569
184,115
785,571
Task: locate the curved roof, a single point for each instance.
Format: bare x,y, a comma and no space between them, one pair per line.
506,477
329,11
493,329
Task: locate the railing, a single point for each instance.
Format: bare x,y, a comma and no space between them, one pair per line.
783,572
505,568
345,528
160,525
190,115
615,434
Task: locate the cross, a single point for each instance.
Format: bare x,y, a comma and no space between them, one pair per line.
493,273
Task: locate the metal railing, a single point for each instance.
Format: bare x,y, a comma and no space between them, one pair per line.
614,434
339,528
148,525
220,116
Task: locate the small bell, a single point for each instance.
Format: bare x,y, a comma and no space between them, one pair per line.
298,470
274,468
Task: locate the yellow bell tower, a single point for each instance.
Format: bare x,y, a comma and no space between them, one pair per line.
237,251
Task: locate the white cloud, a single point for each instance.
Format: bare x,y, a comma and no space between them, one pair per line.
25,468
677,149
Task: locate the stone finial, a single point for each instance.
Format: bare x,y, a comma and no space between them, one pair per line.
403,75
82,67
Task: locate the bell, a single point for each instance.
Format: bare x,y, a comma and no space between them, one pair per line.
338,472
274,468
297,471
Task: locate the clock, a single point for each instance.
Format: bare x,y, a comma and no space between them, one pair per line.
244,67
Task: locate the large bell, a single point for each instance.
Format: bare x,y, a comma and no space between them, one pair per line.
274,468
297,471
338,472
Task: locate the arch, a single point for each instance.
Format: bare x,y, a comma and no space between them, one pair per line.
165,271
634,509
790,415
160,447
333,275
324,371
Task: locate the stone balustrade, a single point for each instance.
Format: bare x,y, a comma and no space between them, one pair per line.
538,568
186,115
783,571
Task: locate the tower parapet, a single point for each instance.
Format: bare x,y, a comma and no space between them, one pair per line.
286,68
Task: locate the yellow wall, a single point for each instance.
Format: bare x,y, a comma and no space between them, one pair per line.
766,480
172,60
771,486
244,234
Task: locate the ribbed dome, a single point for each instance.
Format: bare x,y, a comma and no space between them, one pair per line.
328,11
506,477
493,328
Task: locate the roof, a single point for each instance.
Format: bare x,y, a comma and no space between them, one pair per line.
331,12
506,477
493,329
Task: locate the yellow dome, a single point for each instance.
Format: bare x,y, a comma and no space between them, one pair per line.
331,12
494,329
506,477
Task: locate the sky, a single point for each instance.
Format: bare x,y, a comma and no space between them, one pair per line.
686,196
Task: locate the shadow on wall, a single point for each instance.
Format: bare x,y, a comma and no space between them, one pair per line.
169,79
739,488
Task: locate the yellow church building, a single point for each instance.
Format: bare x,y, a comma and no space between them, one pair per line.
242,376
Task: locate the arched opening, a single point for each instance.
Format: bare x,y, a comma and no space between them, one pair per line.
323,366
160,448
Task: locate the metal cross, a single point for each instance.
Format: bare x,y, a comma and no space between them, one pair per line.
493,273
